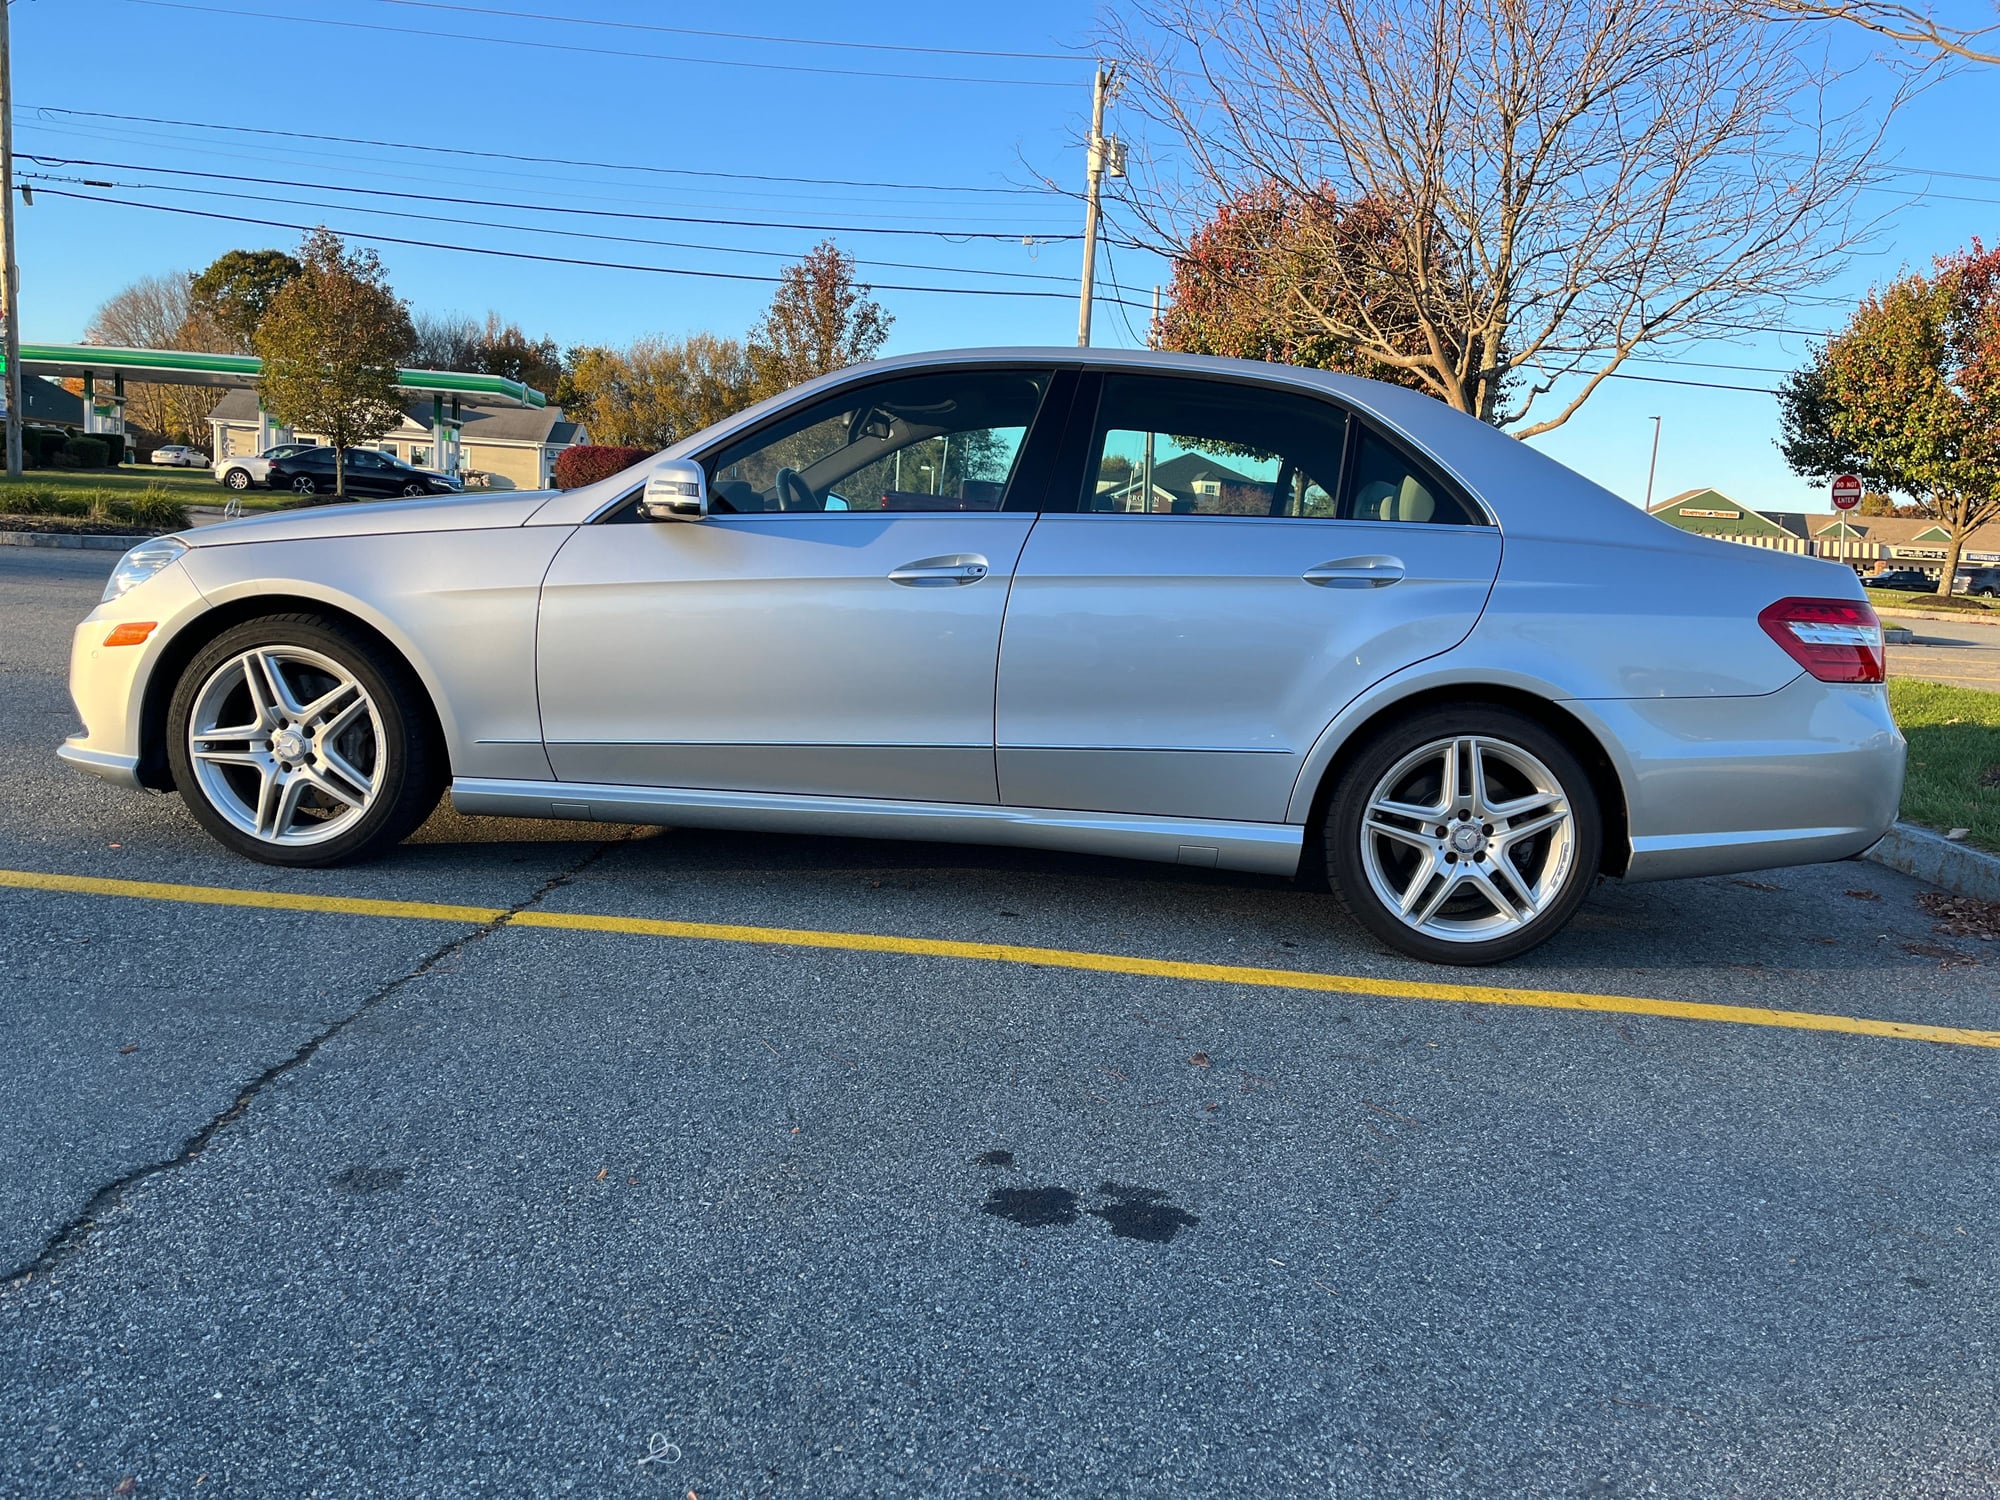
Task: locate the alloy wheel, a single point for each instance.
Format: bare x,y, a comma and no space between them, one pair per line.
287,745
1468,839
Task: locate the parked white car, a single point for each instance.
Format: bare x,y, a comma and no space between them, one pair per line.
174,455
240,471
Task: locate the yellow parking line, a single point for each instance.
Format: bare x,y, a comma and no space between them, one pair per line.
1009,953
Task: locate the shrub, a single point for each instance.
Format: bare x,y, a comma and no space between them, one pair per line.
89,452
159,511
40,445
589,462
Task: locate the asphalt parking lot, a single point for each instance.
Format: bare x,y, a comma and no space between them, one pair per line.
1961,653
416,1179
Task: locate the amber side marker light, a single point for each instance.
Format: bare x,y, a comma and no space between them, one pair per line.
131,633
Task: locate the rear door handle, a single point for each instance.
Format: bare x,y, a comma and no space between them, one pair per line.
1356,573
942,572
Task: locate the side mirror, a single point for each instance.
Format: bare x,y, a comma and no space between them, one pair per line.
677,491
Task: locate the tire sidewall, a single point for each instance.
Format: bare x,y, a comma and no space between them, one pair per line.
408,781
1341,829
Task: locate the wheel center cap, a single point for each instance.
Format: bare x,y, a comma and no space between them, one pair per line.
1467,838
289,744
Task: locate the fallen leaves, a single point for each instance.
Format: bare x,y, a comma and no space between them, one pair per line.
1865,895
1199,1060
1962,916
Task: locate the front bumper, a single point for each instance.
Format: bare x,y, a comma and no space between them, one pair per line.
108,683
1718,786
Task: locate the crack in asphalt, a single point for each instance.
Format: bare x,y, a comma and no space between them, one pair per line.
70,1238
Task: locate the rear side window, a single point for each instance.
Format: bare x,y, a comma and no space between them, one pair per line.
1387,485
1179,447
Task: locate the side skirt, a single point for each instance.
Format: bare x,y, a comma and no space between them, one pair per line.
1261,848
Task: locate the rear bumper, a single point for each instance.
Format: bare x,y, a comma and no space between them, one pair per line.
1717,786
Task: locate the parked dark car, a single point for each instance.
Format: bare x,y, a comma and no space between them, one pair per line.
370,473
1908,580
1985,582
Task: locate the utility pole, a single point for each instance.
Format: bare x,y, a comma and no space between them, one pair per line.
10,274
1654,465
1153,333
1106,158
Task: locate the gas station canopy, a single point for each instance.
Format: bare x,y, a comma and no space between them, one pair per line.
240,371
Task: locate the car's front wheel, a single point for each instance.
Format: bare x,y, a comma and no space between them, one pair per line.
297,741
237,479
1463,835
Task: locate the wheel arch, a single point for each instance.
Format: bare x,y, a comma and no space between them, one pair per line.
1371,714
153,770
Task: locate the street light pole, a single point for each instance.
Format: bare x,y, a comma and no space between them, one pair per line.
1655,464
1106,156
10,273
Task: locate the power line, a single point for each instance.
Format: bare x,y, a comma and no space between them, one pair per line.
624,239
620,52
557,161
737,36
372,237
598,213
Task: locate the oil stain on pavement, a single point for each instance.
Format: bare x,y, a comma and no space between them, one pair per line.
1131,1213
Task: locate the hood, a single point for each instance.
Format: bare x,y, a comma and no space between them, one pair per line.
484,512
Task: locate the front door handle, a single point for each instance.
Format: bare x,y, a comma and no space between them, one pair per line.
942,572
1356,573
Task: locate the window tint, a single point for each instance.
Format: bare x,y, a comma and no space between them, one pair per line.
1206,448
943,441
1388,487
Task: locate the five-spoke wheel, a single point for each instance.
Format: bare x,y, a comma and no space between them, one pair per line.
296,740
1463,836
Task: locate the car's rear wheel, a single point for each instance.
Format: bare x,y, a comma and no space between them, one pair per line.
304,484
1463,835
296,741
237,479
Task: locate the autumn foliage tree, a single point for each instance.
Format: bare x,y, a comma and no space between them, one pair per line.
235,290
330,341
821,319
655,392
1908,397
1296,278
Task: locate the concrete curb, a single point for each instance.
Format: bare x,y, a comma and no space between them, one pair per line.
70,539
1930,856
1957,617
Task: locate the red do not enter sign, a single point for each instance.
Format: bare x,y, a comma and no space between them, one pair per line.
1846,492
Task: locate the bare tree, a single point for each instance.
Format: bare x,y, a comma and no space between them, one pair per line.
157,312
1916,27
1574,179
445,341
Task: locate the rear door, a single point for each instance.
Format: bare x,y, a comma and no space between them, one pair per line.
1238,562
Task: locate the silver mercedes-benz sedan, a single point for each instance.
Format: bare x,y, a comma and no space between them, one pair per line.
1210,612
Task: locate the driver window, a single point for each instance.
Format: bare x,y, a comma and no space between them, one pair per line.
941,441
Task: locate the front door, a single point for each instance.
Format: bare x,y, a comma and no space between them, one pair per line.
832,628
1239,564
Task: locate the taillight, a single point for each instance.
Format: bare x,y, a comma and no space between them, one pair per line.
1837,640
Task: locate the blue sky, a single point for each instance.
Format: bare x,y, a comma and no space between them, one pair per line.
435,75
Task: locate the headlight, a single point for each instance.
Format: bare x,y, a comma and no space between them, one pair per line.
141,563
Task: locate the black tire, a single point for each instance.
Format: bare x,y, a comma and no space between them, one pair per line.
304,484
237,479
411,768
1569,874
411,491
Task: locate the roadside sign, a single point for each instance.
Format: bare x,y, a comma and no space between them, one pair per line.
1847,492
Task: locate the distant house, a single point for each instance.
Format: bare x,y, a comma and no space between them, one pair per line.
516,446
1179,484
1709,512
47,404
